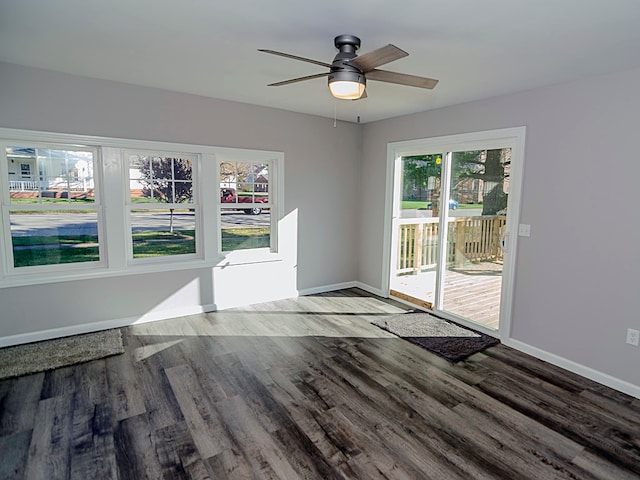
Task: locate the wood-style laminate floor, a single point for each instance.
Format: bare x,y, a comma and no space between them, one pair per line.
308,388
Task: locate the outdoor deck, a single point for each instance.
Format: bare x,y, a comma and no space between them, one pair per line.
474,256
471,291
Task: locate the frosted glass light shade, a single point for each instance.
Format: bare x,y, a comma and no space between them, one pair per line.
347,90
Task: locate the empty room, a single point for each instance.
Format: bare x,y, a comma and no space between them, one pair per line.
334,240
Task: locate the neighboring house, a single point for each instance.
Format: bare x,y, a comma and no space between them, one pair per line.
258,178
48,172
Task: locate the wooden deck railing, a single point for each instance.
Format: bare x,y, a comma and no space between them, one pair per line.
470,239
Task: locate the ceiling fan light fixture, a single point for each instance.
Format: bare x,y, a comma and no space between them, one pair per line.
347,73
347,85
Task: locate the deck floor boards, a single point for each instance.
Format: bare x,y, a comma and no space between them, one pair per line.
471,291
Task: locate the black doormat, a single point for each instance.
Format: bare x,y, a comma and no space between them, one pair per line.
442,337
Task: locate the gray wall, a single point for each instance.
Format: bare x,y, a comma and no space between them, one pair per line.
320,195
576,284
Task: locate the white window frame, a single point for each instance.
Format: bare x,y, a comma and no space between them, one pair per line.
274,167
195,167
113,221
6,240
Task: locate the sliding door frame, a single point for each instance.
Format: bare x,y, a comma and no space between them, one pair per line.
513,138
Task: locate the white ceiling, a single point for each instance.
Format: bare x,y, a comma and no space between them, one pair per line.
476,48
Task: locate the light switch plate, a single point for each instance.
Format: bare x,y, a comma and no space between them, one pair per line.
524,230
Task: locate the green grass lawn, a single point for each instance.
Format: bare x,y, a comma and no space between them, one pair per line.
50,201
244,238
415,204
52,250
160,244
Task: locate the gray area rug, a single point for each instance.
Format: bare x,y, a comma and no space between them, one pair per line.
60,352
442,337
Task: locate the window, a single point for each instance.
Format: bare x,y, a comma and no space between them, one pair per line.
245,205
80,207
161,205
55,218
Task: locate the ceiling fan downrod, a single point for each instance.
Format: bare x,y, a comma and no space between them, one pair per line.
347,45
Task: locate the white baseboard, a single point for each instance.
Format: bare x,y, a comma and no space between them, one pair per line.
150,317
103,325
340,286
370,289
254,301
587,372
591,374
597,376
326,288
172,313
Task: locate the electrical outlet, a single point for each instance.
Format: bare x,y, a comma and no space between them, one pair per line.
633,337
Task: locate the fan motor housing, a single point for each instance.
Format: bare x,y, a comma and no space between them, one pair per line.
341,68
351,74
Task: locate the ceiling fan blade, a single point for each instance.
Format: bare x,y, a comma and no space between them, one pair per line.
377,57
299,79
401,79
295,57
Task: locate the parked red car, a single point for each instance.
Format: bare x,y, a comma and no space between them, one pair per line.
228,195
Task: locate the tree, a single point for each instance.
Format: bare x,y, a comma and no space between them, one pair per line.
490,166
417,169
166,179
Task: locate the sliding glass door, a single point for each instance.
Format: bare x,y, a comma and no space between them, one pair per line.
449,227
472,271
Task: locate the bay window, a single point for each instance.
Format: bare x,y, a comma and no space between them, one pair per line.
75,207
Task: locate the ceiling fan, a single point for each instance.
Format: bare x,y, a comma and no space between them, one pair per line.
349,72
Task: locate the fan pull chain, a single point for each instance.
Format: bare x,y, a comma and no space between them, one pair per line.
335,113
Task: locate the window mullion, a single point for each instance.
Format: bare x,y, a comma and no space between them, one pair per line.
115,219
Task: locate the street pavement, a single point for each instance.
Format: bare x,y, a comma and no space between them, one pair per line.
51,224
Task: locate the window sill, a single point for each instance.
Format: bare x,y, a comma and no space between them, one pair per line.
243,257
223,260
